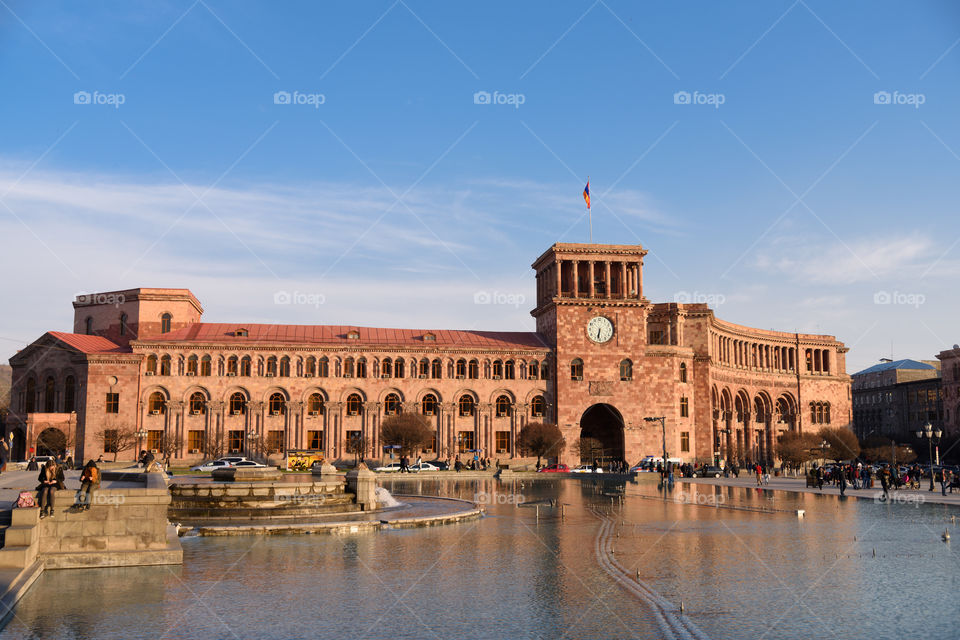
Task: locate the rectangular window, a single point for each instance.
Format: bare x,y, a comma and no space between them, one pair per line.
110,444
274,441
656,337
503,442
315,439
235,441
195,441
465,441
685,441
113,403
154,440
684,408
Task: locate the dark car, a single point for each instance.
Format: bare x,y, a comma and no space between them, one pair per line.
556,468
440,464
708,472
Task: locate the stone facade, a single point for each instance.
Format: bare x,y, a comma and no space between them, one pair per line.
895,399
950,384
603,358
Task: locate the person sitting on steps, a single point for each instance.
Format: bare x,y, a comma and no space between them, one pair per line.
89,481
51,479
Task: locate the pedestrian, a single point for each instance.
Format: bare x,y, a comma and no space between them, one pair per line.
51,479
4,454
884,474
759,471
842,480
942,476
32,465
819,476
89,481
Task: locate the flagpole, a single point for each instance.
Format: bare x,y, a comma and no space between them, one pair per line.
590,214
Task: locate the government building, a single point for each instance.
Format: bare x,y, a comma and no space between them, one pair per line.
603,358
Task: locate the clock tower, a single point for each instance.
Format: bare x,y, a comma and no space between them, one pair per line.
592,311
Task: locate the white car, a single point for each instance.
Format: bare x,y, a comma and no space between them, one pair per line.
211,466
423,466
248,464
586,468
393,466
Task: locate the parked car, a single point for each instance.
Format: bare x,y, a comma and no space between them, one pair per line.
441,465
587,468
249,464
393,466
556,468
708,472
424,466
211,466
233,459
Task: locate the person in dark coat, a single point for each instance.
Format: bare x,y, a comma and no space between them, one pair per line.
842,479
32,465
51,479
89,482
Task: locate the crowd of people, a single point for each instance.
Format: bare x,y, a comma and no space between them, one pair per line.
860,476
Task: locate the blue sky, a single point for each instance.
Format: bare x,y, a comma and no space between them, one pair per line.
786,191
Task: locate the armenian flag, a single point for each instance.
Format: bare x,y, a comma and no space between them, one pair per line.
586,194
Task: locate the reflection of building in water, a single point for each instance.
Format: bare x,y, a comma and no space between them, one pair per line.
603,358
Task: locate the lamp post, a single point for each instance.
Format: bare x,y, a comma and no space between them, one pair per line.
724,446
663,432
930,434
251,439
141,434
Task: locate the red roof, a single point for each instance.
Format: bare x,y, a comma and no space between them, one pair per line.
87,344
337,335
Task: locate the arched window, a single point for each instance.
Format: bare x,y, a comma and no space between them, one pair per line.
474,370
165,366
192,365
50,396
276,405
165,322
69,395
826,412
30,405
544,370
533,371
424,367
503,406
323,367
391,404
285,367
123,324
272,366
354,404
232,367
198,403
466,405
152,364
436,368
246,366
205,366
348,368
576,369
156,404
497,369
386,368
626,370
429,405
88,326
238,404
461,368
398,368
361,367
509,370
683,372
310,367
538,407
315,404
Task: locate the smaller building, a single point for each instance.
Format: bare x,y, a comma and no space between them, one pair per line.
896,398
950,381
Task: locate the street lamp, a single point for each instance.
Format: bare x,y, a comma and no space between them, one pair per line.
663,431
930,434
141,434
725,447
251,439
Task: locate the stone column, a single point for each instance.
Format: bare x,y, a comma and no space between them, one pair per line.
331,437
608,284
213,426
519,410
591,274
558,265
640,279
575,285
296,438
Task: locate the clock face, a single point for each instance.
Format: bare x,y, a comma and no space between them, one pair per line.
599,329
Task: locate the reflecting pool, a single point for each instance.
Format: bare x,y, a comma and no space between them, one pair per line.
740,560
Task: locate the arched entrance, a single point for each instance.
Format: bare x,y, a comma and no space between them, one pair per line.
601,434
51,442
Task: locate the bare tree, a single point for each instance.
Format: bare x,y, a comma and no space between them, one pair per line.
170,444
587,449
357,445
796,449
116,440
214,447
841,442
409,431
541,439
